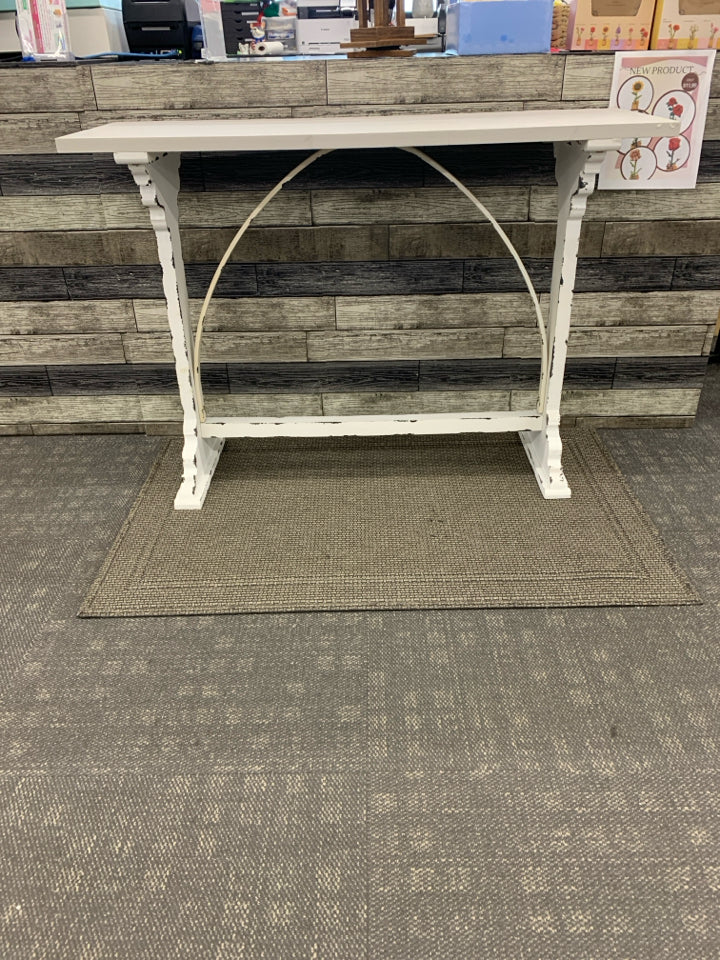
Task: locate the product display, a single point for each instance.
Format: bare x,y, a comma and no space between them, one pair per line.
686,25
607,26
499,26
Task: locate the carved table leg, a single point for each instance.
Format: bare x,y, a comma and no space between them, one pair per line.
159,182
576,168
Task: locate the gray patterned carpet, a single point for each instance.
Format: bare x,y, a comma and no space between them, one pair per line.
510,784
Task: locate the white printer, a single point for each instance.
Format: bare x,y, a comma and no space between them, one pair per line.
322,25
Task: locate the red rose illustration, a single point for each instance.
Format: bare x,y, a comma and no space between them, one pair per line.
677,109
676,26
672,101
674,143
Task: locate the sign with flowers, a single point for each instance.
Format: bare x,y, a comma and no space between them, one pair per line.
673,85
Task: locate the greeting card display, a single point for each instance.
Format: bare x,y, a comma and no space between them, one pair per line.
604,26
675,86
686,25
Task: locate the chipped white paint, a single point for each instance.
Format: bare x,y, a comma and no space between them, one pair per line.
581,139
159,180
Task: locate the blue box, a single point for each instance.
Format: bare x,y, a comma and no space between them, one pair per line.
499,26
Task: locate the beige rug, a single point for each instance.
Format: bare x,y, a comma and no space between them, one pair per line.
386,523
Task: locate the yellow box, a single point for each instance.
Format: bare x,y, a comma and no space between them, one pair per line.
607,26
686,25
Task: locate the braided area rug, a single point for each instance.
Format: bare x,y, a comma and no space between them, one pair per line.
361,523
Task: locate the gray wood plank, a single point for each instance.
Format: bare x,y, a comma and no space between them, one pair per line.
427,80
156,408
510,374
24,381
642,309
246,313
427,401
322,377
425,205
66,316
129,378
457,240
606,274
220,347
78,247
709,169
182,86
696,273
53,213
634,373
62,348
32,283
220,209
129,111
659,402
434,312
633,423
634,204
287,244
15,430
86,429
614,342
369,169
477,166
658,238
712,121
382,277
388,109
145,281
69,409
406,345
48,175
587,78
43,88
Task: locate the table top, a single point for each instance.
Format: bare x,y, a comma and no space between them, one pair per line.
401,130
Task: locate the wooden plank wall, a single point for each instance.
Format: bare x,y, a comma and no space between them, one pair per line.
368,285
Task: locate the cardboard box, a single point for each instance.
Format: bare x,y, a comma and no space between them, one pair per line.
606,26
498,26
686,25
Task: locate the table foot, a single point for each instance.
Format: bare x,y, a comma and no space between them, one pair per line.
200,457
544,451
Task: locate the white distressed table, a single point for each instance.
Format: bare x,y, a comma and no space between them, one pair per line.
581,138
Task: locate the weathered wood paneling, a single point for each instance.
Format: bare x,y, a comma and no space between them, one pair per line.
96,427
525,164
32,283
634,423
586,78
426,205
69,409
510,374
634,205
167,86
46,88
321,377
15,430
457,240
406,345
666,371
251,347
642,309
128,378
34,133
608,273
95,118
433,312
222,209
287,244
72,348
348,279
246,313
388,109
22,381
428,80
66,316
615,342
658,402
712,121
145,281
53,213
696,273
431,401
653,238
78,247
61,174
236,405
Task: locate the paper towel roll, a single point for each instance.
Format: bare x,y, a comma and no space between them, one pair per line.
269,48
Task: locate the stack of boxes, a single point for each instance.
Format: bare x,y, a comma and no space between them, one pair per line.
606,26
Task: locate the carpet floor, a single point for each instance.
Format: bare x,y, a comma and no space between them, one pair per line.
386,523
514,784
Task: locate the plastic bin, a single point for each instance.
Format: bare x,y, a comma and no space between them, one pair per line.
499,26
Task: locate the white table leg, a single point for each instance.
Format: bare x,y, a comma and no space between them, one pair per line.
159,181
576,168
